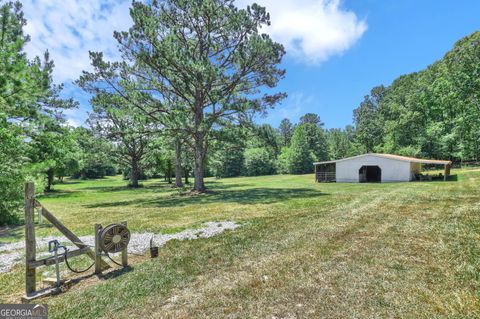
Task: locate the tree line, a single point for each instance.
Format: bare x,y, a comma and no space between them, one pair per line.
434,113
188,70
181,103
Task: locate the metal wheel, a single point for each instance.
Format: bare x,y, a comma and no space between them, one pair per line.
114,238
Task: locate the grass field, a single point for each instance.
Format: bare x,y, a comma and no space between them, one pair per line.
409,250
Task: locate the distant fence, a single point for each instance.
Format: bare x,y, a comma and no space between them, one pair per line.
469,163
326,176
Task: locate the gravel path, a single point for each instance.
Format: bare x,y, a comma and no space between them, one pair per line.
12,253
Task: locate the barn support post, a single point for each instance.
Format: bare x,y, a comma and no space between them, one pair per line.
447,172
30,242
316,169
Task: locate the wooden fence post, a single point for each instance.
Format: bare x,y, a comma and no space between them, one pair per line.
40,216
125,251
30,242
98,257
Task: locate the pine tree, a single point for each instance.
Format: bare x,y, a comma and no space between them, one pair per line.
286,131
214,70
300,158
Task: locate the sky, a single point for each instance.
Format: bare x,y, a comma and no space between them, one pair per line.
337,50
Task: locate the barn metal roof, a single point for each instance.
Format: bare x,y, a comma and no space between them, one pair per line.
392,157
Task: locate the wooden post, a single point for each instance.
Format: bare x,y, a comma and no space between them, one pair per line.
30,242
447,172
316,179
125,251
40,219
98,257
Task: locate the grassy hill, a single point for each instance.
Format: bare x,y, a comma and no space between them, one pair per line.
303,250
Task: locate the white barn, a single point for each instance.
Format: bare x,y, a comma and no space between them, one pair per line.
374,167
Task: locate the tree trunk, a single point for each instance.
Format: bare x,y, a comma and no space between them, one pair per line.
186,172
169,171
178,164
50,178
199,184
200,149
134,174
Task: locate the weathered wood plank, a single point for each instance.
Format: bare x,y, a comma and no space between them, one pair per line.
51,260
98,258
447,172
30,242
70,235
40,294
125,251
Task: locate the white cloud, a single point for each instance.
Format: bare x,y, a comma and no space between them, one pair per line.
296,104
312,30
73,123
75,117
70,28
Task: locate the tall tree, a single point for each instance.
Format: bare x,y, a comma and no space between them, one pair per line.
299,156
368,122
227,151
266,136
16,81
20,79
50,140
95,157
311,118
29,105
341,142
178,162
113,119
286,132
317,140
209,55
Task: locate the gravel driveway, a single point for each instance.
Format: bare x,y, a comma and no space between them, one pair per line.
12,253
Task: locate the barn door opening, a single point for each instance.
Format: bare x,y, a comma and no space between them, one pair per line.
370,174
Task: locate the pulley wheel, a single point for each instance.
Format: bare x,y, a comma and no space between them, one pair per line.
114,238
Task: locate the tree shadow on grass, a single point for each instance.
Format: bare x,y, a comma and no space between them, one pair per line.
14,233
239,196
103,189
161,186
117,272
452,178
119,188
58,194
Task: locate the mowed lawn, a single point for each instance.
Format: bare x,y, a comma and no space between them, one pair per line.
304,250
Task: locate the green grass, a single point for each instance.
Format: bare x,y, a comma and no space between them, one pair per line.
304,249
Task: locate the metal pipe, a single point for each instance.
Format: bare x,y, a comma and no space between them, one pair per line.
57,266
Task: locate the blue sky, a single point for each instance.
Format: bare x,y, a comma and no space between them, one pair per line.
336,50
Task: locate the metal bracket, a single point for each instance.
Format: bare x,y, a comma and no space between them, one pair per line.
53,247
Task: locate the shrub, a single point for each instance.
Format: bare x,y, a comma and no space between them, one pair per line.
258,161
